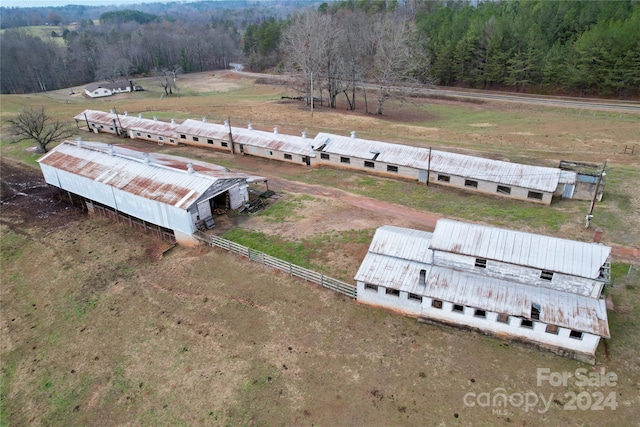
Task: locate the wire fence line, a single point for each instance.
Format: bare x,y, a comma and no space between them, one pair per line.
285,266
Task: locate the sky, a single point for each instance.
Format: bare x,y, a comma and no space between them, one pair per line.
42,3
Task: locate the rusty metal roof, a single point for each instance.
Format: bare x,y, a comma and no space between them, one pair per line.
520,248
564,309
126,121
274,141
204,129
164,181
507,173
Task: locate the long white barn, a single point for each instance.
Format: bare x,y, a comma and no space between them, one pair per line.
537,289
535,184
169,191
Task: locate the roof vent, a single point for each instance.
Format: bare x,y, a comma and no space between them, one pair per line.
155,119
275,130
146,158
112,111
226,122
304,134
190,168
111,152
250,127
204,120
173,121
126,113
353,134
79,141
139,115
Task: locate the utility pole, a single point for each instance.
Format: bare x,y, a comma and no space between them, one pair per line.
429,166
589,215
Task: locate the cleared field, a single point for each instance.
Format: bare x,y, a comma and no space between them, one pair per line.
99,326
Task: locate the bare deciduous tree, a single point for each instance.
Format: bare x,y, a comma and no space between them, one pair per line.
398,55
37,126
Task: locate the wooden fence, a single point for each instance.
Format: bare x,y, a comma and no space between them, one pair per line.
286,266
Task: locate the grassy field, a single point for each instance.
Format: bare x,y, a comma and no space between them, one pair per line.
98,327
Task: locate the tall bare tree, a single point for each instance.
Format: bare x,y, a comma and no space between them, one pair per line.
398,55
305,43
36,125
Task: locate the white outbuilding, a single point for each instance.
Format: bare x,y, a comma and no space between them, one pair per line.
170,192
526,287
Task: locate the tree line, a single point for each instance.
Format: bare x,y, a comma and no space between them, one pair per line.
343,48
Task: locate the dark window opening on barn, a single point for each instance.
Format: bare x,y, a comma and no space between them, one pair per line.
209,141
470,183
110,128
368,164
535,195
423,278
138,133
458,308
288,156
481,262
324,156
172,140
160,138
224,144
370,287
444,178
101,127
480,313
526,323
195,138
503,190
503,318
436,303
552,329
148,136
345,160
546,275
183,136
535,311
414,297
394,292
93,124
576,335
271,153
391,168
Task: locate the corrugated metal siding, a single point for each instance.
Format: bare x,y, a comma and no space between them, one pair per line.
151,181
390,272
513,174
515,247
402,243
571,311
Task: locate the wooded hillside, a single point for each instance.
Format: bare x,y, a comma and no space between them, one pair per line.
558,47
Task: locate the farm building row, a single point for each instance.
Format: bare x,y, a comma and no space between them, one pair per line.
505,179
175,194
527,287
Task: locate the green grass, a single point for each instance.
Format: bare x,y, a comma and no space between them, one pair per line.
285,210
295,252
444,201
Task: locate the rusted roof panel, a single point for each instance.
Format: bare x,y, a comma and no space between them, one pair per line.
520,248
513,174
149,126
564,309
152,180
